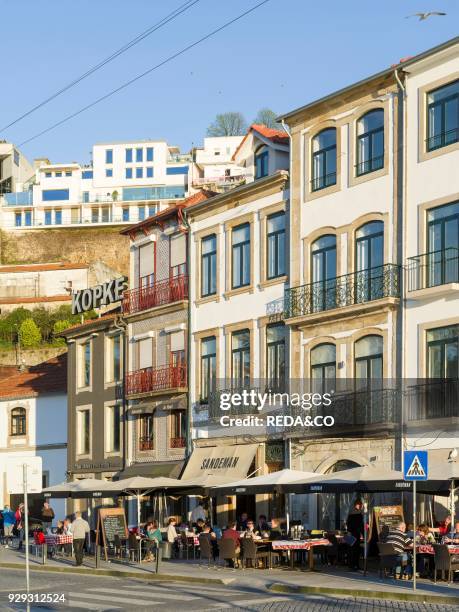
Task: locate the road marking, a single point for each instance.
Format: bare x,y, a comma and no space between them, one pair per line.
113,598
211,589
87,606
144,593
250,602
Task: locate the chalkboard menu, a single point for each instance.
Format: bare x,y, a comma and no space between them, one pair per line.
387,515
111,523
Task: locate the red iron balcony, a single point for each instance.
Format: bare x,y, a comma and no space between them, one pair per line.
152,380
177,443
168,291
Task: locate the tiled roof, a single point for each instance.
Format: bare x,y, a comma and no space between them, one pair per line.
49,267
47,377
88,323
199,196
277,136
36,300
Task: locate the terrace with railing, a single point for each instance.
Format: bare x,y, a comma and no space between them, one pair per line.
433,269
156,380
355,288
174,289
436,398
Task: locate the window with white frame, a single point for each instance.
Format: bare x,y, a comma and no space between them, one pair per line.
113,429
84,364
83,431
143,353
114,350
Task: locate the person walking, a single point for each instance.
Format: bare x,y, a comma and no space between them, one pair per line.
355,527
80,528
47,516
9,522
19,518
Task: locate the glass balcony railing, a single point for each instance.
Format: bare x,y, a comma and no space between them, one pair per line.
355,288
433,269
19,198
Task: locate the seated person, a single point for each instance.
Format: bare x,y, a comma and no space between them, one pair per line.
217,530
424,535
153,537
401,542
262,524
445,526
200,526
453,536
275,533
251,532
60,528
209,533
231,532
242,523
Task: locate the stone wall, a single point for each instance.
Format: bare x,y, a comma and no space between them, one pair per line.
72,245
30,357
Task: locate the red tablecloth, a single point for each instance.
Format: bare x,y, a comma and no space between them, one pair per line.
298,544
428,549
57,540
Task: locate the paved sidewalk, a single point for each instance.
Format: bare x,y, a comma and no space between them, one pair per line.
331,581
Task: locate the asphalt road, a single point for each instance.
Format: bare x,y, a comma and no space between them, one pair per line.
105,594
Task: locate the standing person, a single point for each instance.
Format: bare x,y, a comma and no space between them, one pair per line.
47,516
80,528
198,514
172,535
355,527
9,522
19,516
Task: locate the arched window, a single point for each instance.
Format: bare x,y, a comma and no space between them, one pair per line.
261,162
369,260
370,142
323,272
323,362
368,357
324,159
18,422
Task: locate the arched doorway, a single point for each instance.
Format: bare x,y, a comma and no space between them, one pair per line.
333,508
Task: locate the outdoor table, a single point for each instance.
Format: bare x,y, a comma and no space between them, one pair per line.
300,545
428,549
55,539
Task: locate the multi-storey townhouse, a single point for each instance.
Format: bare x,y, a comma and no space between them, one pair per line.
238,269
431,238
155,309
126,182
343,304
15,169
213,165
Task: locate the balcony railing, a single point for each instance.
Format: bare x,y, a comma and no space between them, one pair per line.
369,165
355,288
221,180
321,182
433,269
158,294
177,443
433,399
18,198
156,379
442,139
146,443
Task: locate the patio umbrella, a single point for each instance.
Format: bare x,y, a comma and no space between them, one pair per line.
276,481
87,487
141,485
450,472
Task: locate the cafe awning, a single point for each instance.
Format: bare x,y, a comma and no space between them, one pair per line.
86,487
263,484
209,466
148,406
154,469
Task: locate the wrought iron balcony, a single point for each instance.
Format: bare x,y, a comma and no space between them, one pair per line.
151,380
433,269
355,288
369,165
146,443
321,182
177,443
174,289
437,398
442,139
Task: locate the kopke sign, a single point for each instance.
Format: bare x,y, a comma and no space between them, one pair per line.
100,295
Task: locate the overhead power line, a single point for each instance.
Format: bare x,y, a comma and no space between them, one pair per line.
173,15
143,74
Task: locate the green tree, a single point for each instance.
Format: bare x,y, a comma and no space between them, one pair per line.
228,124
29,334
266,116
59,327
44,320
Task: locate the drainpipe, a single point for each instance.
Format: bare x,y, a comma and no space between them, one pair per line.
121,324
402,199
189,412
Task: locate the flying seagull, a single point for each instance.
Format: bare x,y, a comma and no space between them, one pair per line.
424,16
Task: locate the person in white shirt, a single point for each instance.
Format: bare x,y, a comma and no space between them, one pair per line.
172,535
198,513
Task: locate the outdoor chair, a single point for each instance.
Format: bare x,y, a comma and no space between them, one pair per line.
187,544
331,551
389,559
134,548
119,546
444,561
206,551
250,552
227,550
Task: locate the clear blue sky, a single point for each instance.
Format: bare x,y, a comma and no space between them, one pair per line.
283,55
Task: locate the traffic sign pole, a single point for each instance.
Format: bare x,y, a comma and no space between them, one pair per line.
414,535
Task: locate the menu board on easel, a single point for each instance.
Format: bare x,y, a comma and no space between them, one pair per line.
389,516
111,522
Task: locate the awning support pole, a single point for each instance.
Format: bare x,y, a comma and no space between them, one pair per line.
453,509
138,510
414,535
365,535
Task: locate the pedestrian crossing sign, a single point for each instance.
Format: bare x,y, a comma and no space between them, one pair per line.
415,465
